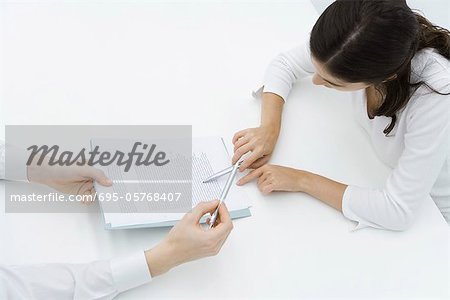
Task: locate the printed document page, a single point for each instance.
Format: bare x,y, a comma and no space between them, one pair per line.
209,155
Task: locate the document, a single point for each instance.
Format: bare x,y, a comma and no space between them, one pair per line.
209,155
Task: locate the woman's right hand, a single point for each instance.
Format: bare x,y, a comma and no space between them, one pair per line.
260,141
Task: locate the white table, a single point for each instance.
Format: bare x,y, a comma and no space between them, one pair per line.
196,63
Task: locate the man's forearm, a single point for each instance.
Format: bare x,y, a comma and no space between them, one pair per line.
160,259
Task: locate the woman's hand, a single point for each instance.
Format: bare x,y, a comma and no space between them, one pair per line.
260,141
189,240
276,178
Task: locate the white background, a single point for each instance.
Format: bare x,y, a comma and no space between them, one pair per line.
437,11
196,62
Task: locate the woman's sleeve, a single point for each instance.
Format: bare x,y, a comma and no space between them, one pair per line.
427,145
286,68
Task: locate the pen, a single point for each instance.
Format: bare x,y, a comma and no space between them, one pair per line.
224,193
221,173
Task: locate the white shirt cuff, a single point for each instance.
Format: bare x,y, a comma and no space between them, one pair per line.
15,163
130,271
346,207
257,94
280,90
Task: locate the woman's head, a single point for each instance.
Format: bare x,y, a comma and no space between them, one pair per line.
360,43
323,77
365,41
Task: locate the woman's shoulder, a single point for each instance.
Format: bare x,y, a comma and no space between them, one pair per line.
429,66
433,69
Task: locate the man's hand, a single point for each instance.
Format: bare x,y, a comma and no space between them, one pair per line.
74,180
189,240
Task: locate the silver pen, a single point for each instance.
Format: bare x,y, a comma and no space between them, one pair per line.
221,173
225,190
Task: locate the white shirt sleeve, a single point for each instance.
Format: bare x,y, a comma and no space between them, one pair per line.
2,159
97,280
427,145
16,158
286,68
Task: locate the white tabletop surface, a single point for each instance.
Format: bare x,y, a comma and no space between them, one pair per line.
152,62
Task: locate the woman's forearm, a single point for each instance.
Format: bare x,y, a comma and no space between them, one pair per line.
271,110
324,189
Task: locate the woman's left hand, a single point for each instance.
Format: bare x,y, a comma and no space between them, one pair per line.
276,178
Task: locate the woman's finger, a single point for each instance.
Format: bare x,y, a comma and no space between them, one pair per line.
256,154
260,162
250,176
238,135
241,142
267,188
262,178
240,152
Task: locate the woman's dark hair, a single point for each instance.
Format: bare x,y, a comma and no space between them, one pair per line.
374,41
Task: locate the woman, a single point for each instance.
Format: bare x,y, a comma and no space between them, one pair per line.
397,63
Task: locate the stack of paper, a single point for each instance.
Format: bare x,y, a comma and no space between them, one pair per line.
209,155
